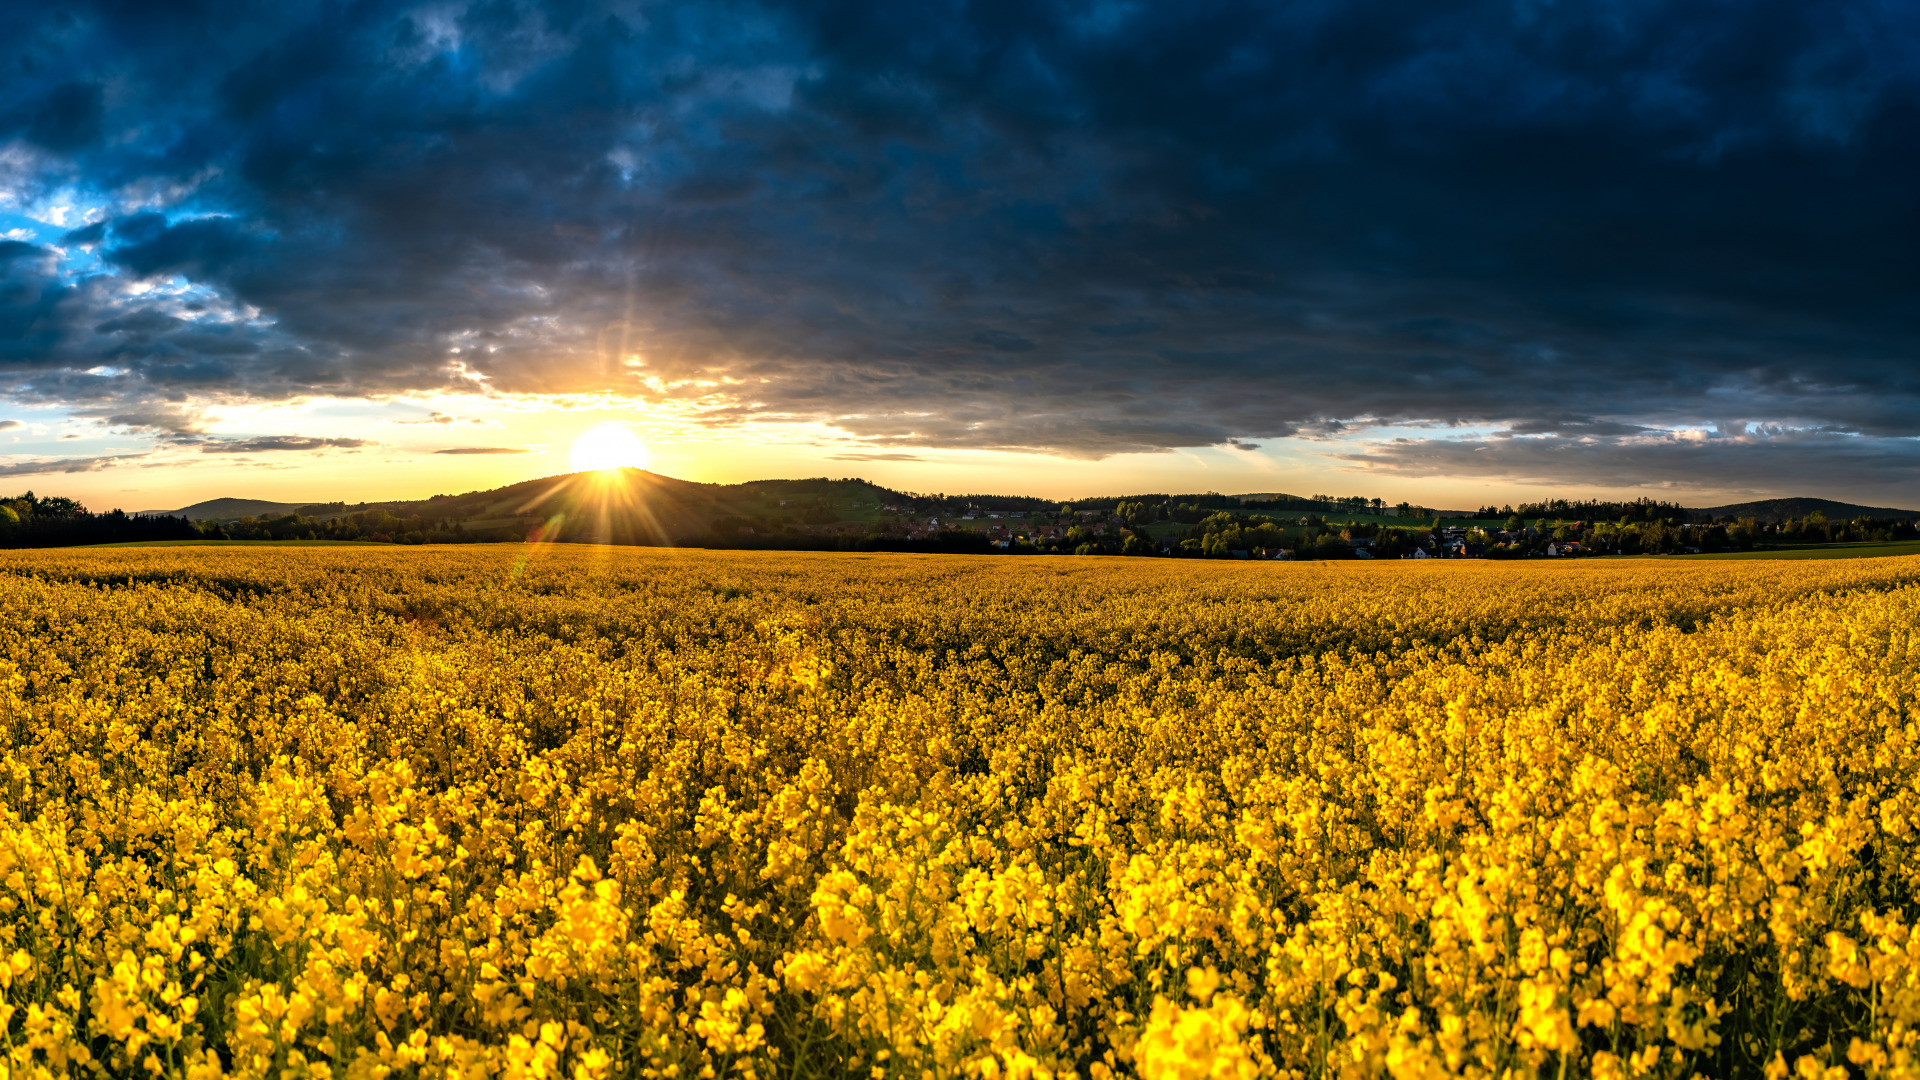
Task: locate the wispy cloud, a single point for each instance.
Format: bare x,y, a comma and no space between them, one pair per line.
448,420
280,444
65,465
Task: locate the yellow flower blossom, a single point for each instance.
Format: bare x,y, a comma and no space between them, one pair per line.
676,814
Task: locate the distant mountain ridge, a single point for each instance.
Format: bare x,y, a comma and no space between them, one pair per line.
227,509
631,506
1774,511
654,508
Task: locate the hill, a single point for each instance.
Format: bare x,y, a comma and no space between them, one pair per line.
227,510
1774,511
634,506
631,506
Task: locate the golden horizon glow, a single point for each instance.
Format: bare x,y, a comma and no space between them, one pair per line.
606,447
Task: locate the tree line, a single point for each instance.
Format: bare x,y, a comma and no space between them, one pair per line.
378,526
28,521
1641,509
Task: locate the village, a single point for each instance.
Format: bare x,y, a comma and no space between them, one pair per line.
1252,537
1171,529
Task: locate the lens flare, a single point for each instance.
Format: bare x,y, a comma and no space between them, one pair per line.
609,446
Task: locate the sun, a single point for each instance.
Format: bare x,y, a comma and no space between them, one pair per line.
609,446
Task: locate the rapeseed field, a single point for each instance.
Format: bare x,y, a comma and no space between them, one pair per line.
585,813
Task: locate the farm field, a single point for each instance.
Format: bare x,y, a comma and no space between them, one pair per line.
1822,551
587,812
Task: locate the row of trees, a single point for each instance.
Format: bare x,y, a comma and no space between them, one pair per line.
379,526
1816,529
1221,535
1631,536
1642,509
30,521
1191,509
33,521
1323,504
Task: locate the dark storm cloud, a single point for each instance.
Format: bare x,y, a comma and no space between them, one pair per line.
202,250
1835,465
66,117
1003,340
1084,227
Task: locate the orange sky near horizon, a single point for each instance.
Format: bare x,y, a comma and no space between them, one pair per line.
411,467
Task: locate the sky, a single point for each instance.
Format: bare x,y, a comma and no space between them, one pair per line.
1445,252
